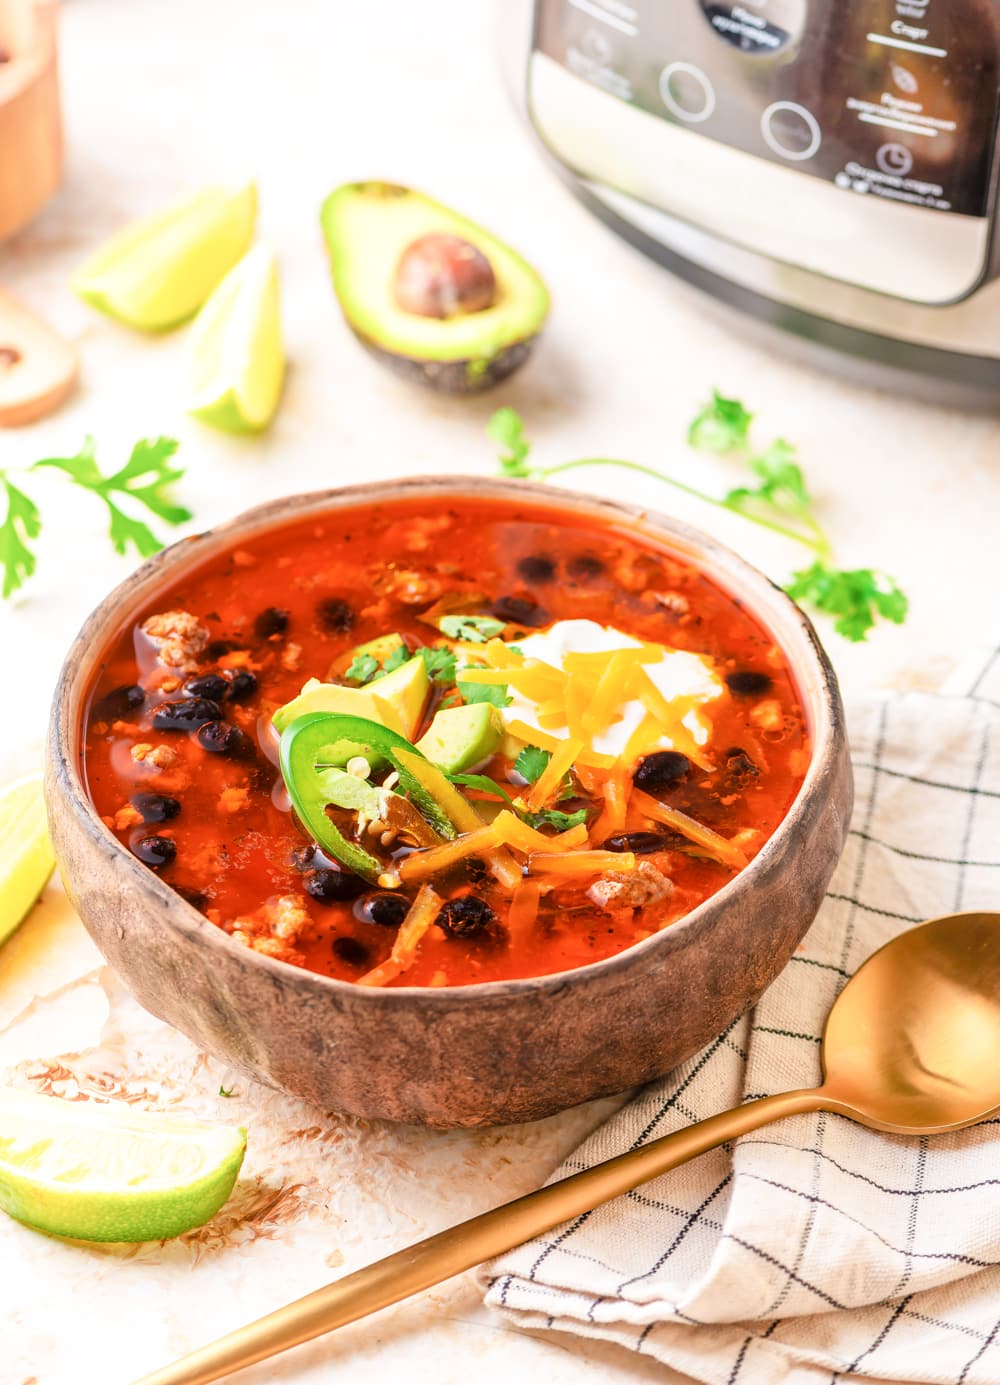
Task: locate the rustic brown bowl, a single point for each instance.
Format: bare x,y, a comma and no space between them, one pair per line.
456,1056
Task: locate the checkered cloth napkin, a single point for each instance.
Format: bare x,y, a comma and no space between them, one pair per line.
812,1251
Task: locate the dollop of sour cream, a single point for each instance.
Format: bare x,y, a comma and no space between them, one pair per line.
677,674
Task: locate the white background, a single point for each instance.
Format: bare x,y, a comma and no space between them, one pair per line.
163,96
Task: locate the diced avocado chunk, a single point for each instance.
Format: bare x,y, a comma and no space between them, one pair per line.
460,737
369,228
396,701
405,690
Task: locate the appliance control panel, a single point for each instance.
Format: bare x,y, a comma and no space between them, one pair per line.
893,100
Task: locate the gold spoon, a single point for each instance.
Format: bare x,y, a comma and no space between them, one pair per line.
910,1047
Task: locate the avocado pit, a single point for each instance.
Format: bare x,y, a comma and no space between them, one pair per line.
443,275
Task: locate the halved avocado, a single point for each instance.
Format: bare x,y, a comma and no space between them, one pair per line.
391,246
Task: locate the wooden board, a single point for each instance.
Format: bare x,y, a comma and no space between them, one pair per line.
38,367
30,123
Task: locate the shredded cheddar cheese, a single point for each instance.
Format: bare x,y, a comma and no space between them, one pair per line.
513,832
588,695
580,862
433,859
523,911
713,845
552,776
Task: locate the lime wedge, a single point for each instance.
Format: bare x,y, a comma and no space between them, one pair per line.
157,273
237,360
109,1172
26,859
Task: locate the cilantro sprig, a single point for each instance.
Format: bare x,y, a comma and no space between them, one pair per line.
362,668
552,817
494,693
531,762
472,629
855,598
142,482
441,664
143,479
547,817
22,523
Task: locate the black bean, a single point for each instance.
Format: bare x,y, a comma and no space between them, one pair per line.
660,770
218,649
748,683
185,714
155,851
739,768
351,950
465,916
210,685
303,858
196,898
584,566
537,569
155,807
336,614
219,738
243,686
114,705
520,610
384,908
332,886
271,621
475,869
642,843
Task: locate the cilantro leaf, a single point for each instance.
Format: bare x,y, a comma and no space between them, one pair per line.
552,817
474,629
531,762
855,596
362,668
227,1091
494,693
396,659
506,427
484,783
782,483
21,524
722,425
143,478
440,664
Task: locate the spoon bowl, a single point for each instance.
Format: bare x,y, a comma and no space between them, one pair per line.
912,1040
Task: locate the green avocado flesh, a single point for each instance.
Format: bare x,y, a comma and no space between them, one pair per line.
367,226
460,737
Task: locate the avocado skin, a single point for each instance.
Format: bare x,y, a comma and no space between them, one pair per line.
453,377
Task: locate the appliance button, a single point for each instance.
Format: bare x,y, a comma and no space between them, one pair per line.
687,92
790,130
894,158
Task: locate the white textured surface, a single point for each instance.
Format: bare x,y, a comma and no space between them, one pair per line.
165,95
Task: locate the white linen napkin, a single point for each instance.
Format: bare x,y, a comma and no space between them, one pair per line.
812,1251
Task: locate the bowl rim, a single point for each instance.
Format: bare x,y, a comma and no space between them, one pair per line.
715,559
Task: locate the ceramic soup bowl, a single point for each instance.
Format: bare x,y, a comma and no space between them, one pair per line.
481,1054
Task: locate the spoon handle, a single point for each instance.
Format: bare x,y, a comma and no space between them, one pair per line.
471,1242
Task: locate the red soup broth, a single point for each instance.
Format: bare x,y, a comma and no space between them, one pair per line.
289,604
